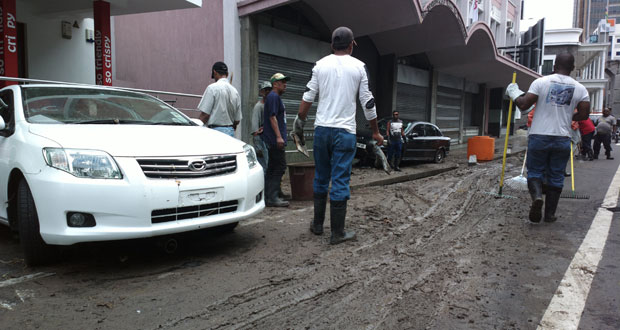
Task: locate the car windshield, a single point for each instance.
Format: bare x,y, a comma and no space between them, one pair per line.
70,105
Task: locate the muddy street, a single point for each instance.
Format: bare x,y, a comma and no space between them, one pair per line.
435,253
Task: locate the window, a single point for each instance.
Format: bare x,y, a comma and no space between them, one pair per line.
617,53
419,129
7,113
547,67
431,131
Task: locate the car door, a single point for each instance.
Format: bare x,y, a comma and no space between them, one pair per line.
415,142
8,116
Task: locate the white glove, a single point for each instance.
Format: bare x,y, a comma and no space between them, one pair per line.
513,91
298,129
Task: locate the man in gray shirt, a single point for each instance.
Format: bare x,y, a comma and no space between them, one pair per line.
220,105
257,125
605,126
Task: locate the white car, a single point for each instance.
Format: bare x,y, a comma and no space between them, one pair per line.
85,163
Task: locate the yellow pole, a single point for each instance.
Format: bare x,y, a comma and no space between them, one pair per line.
572,169
501,180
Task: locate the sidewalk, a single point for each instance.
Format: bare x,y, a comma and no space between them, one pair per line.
367,177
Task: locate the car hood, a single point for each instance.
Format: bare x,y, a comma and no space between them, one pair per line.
141,140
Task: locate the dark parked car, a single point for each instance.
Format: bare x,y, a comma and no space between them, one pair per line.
423,141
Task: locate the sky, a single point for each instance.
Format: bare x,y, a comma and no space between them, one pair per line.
558,13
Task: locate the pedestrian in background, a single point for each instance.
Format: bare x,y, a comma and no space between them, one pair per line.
337,79
396,135
605,126
274,135
220,105
586,128
258,120
556,97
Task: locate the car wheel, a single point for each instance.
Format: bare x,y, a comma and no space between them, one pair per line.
36,251
440,155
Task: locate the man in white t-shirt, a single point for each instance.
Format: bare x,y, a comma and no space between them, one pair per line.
556,97
337,79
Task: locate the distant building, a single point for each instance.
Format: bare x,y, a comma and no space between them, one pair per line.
587,15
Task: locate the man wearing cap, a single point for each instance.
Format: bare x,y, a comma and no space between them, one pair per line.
257,125
220,105
274,135
337,78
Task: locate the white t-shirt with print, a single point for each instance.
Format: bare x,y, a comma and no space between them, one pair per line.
558,96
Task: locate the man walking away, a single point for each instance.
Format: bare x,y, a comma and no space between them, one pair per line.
257,125
548,150
396,135
586,127
274,135
605,126
220,103
337,78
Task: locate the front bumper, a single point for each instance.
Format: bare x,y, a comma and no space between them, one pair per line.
123,209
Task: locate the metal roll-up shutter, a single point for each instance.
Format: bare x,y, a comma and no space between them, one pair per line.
411,101
449,103
300,73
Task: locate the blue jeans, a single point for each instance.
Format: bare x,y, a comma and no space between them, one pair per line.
226,130
261,149
395,148
334,149
547,157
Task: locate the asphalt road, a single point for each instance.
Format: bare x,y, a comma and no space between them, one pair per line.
435,253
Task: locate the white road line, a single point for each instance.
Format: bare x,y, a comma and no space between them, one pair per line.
24,278
565,309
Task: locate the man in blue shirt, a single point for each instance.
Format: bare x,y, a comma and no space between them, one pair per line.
274,135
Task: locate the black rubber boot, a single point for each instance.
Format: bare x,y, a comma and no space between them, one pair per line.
397,164
551,203
535,188
338,212
320,203
272,185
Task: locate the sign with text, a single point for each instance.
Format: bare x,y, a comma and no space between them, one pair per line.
8,45
103,43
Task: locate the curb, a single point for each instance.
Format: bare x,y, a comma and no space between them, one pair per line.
403,178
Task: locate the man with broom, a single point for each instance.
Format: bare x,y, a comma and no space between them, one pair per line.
556,96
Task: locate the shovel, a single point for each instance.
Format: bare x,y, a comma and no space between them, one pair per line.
300,147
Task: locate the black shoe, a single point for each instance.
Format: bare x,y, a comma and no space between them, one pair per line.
610,158
551,203
272,185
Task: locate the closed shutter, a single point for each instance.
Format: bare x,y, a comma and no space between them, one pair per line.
449,112
411,101
300,73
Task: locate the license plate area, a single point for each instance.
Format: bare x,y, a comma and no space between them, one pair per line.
200,196
360,145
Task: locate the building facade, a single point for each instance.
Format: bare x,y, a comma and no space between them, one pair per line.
587,15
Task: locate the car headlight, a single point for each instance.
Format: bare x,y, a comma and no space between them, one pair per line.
83,163
250,154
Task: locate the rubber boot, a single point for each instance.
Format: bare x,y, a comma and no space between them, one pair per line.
338,212
271,193
535,188
320,203
397,164
551,203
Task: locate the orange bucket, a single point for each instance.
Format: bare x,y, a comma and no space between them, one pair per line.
481,146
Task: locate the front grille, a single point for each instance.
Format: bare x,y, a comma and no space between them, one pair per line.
188,167
191,212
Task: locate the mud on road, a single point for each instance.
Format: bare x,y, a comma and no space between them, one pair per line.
435,253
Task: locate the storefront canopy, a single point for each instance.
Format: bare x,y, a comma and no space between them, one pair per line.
404,27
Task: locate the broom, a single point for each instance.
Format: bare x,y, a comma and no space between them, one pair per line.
573,194
519,182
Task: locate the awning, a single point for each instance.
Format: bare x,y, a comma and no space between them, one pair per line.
403,27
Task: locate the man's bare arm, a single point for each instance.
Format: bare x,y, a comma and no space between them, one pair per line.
525,101
204,117
583,111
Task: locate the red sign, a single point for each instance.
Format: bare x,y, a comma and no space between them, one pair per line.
8,45
103,44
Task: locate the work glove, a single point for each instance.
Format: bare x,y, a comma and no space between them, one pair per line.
298,129
513,91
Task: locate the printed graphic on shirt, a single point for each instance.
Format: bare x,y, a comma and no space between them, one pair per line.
560,94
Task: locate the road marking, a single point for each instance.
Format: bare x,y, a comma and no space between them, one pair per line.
565,309
24,278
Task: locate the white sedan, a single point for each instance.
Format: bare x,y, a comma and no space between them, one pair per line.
83,164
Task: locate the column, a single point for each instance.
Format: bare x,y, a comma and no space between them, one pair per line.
434,86
103,43
249,72
8,47
601,99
